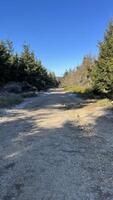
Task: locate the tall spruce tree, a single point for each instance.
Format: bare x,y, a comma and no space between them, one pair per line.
103,70
5,61
23,68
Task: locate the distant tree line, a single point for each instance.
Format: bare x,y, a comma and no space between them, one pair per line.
95,73
23,67
81,75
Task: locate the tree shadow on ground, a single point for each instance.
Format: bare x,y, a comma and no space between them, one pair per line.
57,100
54,159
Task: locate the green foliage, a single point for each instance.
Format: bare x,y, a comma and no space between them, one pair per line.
5,60
94,73
103,71
23,67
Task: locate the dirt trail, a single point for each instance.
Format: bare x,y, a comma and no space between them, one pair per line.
56,147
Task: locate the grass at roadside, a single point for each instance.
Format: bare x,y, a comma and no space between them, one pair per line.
88,93
104,102
10,99
29,94
76,89
81,90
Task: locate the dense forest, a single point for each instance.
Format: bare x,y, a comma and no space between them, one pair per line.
23,67
94,74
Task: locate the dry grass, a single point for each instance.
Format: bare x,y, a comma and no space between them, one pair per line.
29,94
10,100
85,92
76,89
103,102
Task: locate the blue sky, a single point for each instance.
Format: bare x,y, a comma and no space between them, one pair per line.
60,32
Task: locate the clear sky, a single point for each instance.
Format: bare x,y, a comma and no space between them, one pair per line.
60,32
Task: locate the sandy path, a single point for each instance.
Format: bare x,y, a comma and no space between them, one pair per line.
56,147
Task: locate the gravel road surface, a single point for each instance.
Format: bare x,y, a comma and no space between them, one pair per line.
55,147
